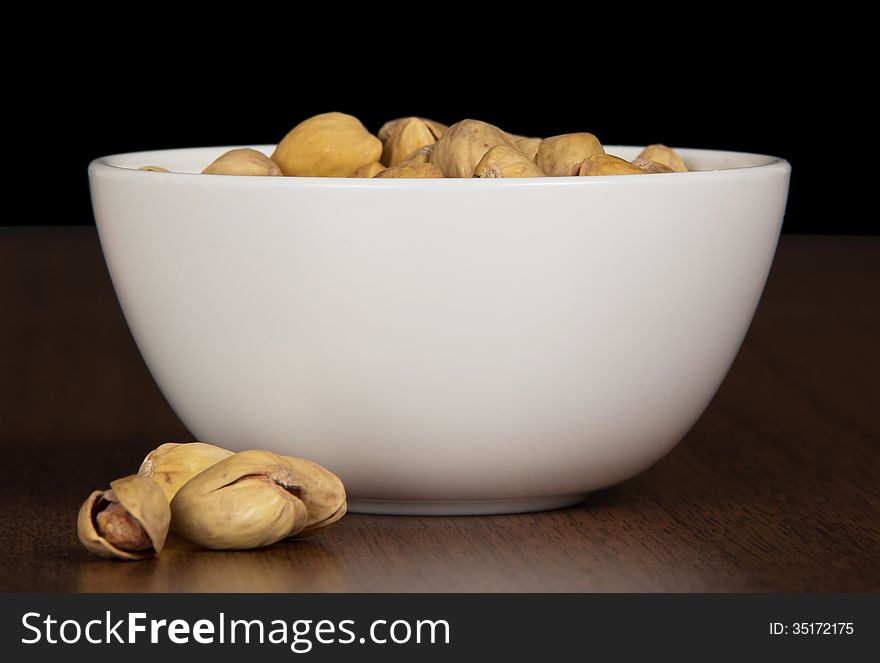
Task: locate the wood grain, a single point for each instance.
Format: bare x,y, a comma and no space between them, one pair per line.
775,489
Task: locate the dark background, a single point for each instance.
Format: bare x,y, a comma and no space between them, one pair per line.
749,86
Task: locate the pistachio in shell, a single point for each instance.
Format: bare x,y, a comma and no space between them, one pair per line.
173,464
248,500
459,150
406,137
129,521
321,490
411,169
327,145
243,161
369,170
559,156
529,146
506,161
437,129
421,155
607,164
665,155
651,166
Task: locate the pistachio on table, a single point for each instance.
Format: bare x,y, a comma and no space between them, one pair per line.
128,521
321,490
247,500
173,464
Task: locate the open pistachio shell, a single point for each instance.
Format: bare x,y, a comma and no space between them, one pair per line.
248,500
129,521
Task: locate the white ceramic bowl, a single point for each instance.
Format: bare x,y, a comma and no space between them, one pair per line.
446,346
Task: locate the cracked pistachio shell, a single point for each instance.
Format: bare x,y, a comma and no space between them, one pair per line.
411,169
460,149
506,161
129,521
173,464
559,156
437,129
369,170
406,137
244,161
607,164
322,491
247,500
327,145
529,146
651,166
421,155
665,155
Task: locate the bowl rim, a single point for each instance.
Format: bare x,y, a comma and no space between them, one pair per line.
110,164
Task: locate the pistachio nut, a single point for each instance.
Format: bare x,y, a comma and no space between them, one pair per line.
665,155
327,145
369,170
411,169
155,169
506,161
460,149
407,136
529,146
247,500
607,164
651,166
437,129
243,161
321,490
559,156
421,155
173,464
128,521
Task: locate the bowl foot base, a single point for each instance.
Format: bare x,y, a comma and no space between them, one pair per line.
462,507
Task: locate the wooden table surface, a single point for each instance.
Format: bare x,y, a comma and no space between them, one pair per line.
777,487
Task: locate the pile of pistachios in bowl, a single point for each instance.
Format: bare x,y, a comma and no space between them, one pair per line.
339,145
211,497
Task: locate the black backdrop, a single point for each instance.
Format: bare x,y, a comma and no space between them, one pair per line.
760,90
